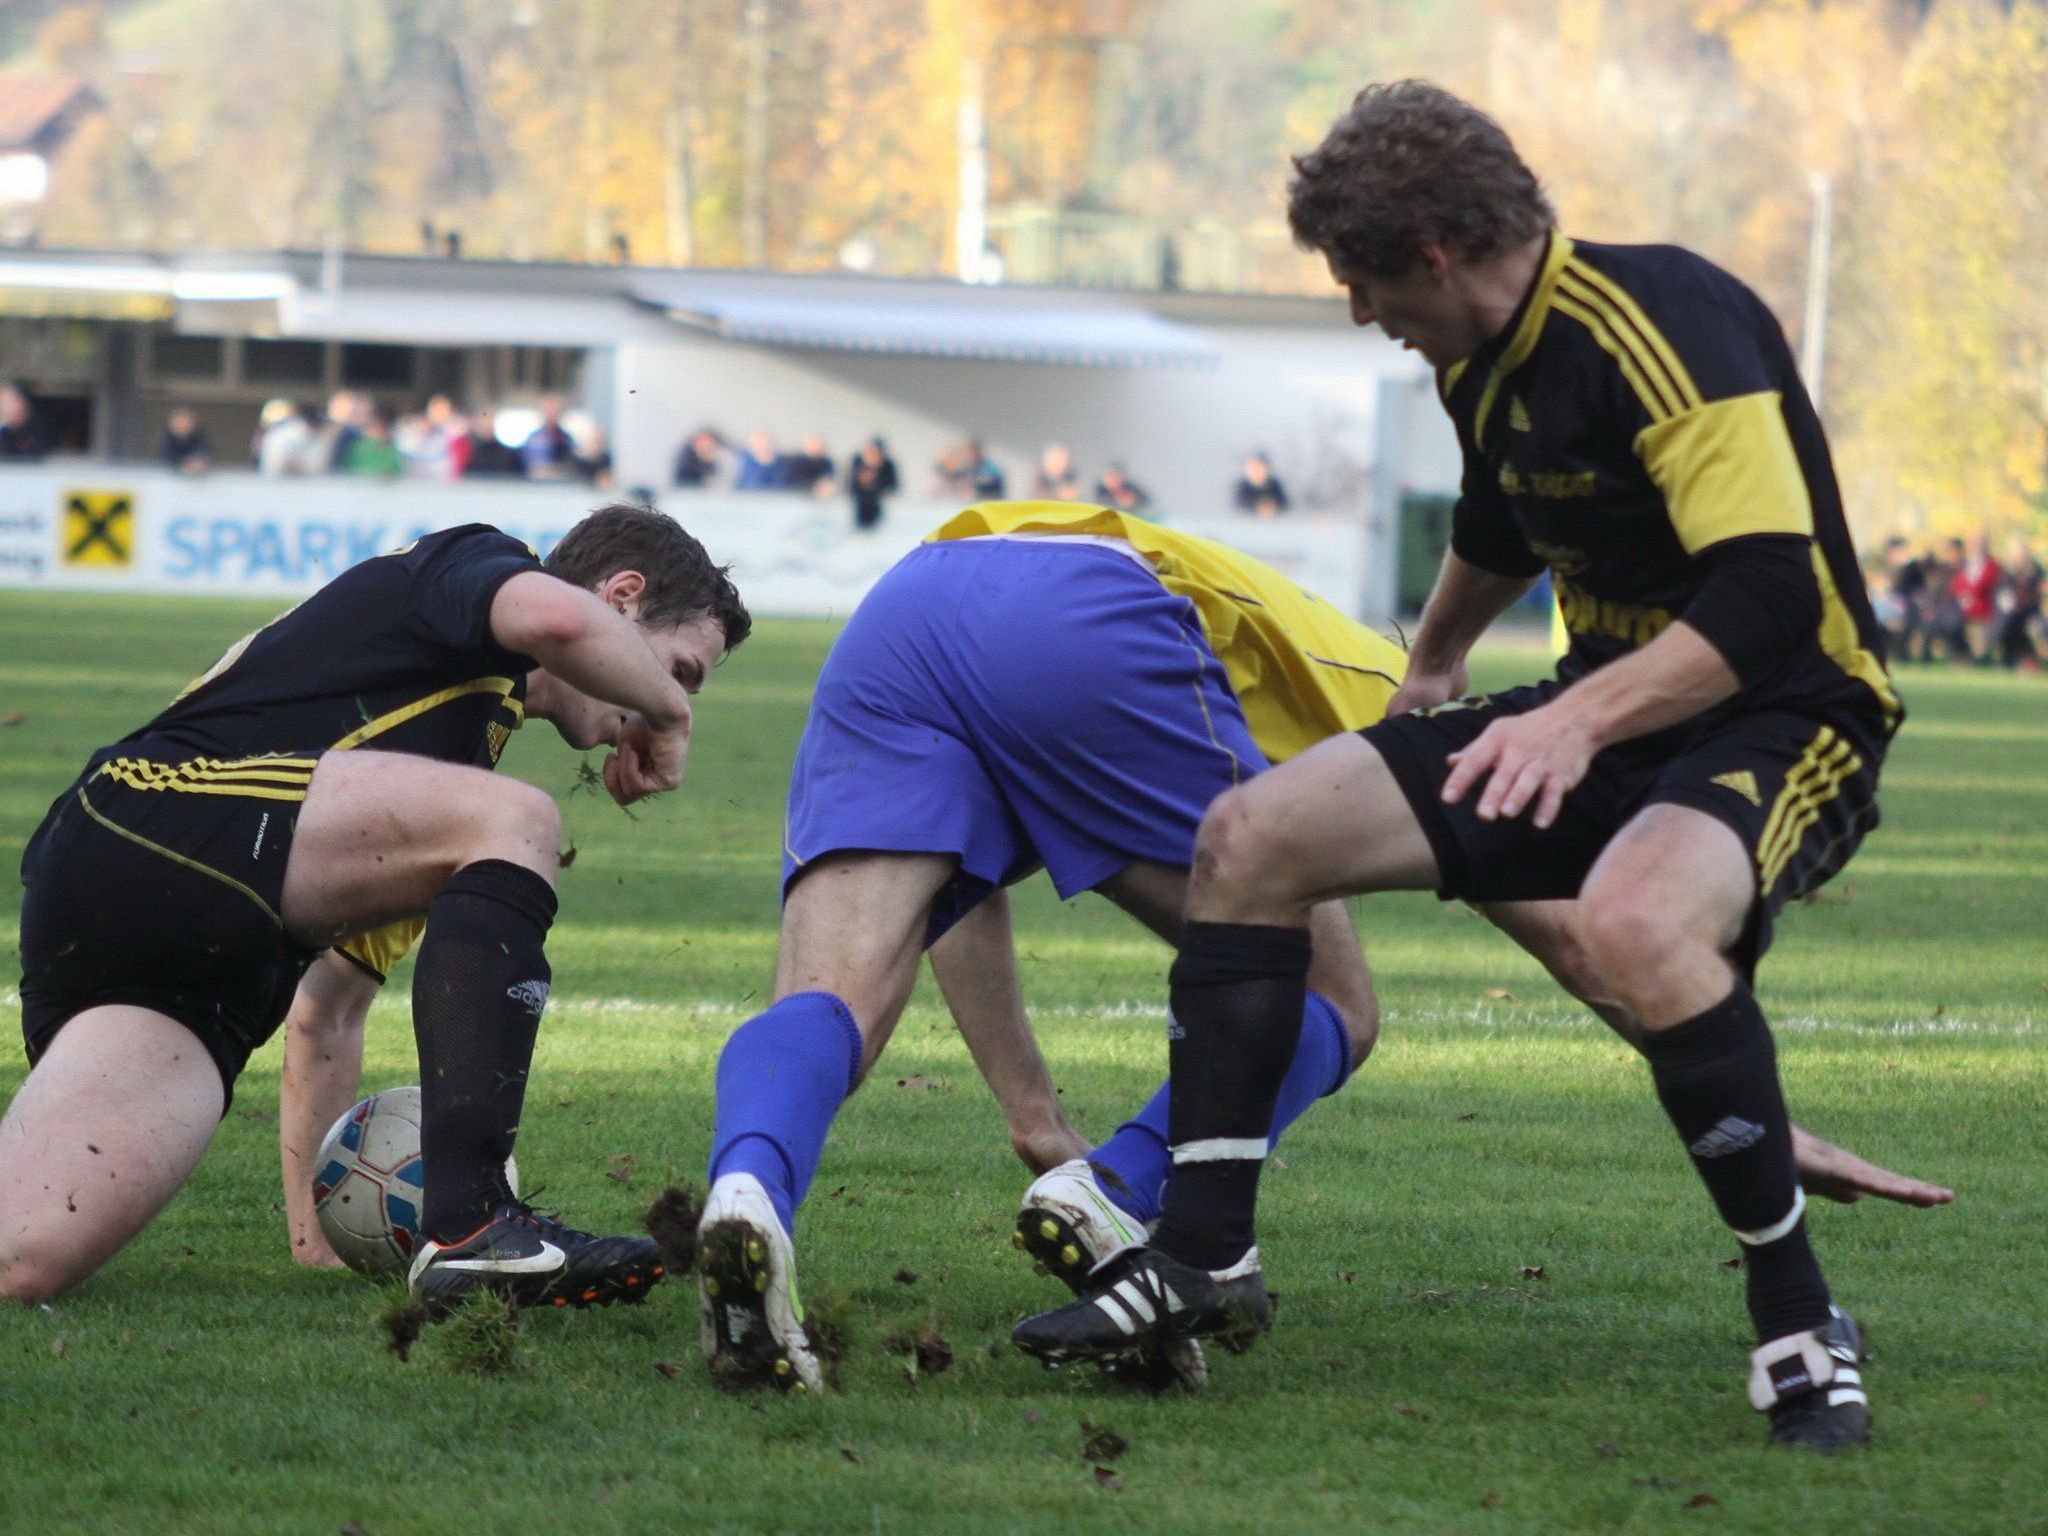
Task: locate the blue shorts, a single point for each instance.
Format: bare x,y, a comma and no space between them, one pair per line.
1016,703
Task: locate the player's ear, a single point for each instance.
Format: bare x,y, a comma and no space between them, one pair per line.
1436,261
623,591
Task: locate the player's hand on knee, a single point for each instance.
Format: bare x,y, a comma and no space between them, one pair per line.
646,761
1428,690
1534,759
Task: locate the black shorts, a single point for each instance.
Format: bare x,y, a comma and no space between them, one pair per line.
159,884
1799,792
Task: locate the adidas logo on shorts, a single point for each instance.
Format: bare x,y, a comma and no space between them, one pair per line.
1743,782
533,994
1731,1135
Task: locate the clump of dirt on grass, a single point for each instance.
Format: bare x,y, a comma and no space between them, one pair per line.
479,1339
403,1321
927,1347
672,1222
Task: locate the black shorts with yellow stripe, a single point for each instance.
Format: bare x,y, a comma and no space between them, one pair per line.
160,884
1801,794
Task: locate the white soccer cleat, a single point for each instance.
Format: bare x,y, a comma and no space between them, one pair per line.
752,1319
1070,1228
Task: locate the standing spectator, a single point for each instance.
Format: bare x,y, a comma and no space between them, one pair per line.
371,452
345,410
1941,612
1054,479
285,440
184,447
2019,609
810,468
697,460
984,474
550,452
1259,490
1905,591
1975,586
871,477
487,458
1116,489
428,442
594,463
760,466
953,475
21,435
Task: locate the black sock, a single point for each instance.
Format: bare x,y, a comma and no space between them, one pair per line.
477,995
1717,1077
1238,992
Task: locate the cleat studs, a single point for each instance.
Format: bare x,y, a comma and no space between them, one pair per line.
1049,1230
1016,1239
591,1294
799,1387
755,1251
632,1280
761,1280
1070,1255
782,1367
1040,1270
710,1286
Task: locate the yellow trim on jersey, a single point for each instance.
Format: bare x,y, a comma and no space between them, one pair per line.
179,858
381,949
1815,779
1842,645
1523,342
1636,331
1301,671
250,778
392,719
1728,470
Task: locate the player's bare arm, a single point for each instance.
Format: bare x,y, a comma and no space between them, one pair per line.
1461,608
323,1064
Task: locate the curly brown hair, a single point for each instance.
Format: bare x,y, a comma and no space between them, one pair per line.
682,580
1410,165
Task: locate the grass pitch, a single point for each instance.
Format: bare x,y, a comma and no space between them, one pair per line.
1504,1308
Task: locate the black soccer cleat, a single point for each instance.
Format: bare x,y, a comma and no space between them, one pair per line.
534,1260
1811,1385
1141,1300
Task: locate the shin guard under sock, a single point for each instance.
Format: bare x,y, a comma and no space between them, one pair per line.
1238,992
1717,1078
781,1078
477,996
1133,1165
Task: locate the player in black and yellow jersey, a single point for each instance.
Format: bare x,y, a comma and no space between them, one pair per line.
1631,420
331,775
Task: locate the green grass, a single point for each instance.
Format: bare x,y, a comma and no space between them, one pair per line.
1419,1380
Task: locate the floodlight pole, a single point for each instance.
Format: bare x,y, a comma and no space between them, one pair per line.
1813,338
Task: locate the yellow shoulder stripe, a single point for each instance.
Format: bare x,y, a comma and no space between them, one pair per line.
1728,470
1609,297
392,719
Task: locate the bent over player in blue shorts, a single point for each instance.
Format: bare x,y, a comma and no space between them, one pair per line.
1041,685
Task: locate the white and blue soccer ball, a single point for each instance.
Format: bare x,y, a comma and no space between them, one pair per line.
369,1181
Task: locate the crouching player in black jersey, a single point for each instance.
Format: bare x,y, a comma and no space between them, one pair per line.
331,775
1631,419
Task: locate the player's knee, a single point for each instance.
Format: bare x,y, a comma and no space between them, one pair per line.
1362,1026
1234,849
518,823
1623,939
28,1276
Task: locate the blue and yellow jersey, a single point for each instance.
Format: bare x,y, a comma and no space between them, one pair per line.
1301,670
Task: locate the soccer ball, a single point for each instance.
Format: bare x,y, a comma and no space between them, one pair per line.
367,1192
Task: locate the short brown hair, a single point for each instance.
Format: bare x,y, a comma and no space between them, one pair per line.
682,581
1407,166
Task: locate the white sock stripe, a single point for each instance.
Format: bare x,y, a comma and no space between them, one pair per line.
1136,1300
1110,1306
1841,1395
1776,1229
1222,1149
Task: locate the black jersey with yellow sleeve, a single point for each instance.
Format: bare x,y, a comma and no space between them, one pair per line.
393,655
1640,409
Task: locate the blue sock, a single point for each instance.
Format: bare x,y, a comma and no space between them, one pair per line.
1133,1165
781,1078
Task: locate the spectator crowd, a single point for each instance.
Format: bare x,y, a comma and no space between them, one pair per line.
356,436
1954,601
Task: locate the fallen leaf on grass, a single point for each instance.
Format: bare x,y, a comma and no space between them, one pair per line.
1468,1115
354,1528
1105,1478
1531,1271
1491,1501
621,1169
12,717
567,856
846,1454
1410,1411
1500,994
1607,1450
1033,1416
58,1346
1101,1443
1701,1501
917,1080
905,1277
1348,1276
1734,1263
668,1368
267,1117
